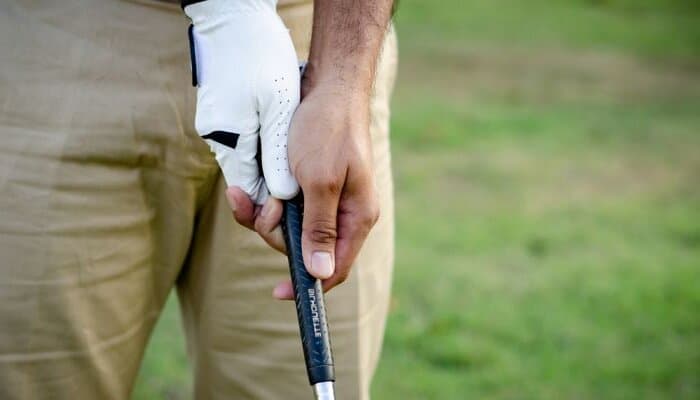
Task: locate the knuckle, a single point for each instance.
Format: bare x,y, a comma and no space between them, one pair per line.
326,184
323,232
373,214
259,227
343,275
370,214
263,231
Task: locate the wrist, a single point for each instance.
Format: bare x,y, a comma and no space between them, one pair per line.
337,94
345,81
346,112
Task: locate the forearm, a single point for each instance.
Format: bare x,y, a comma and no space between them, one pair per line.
346,41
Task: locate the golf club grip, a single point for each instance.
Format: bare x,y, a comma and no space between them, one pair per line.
308,296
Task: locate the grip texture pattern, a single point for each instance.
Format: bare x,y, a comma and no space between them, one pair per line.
308,293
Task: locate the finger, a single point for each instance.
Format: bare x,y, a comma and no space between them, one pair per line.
283,291
358,212
267,224
279,97
352,233
244,210
319,231
355,221
239,166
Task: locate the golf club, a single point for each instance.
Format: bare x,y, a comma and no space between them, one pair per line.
311,310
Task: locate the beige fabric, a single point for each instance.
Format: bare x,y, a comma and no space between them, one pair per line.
108,200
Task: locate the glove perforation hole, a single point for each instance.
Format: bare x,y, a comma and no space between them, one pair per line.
285,103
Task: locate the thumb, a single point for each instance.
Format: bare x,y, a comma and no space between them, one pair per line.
319,231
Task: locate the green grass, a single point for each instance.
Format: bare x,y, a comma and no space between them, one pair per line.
652,27
547,165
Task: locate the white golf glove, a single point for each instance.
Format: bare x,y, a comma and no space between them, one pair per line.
247,74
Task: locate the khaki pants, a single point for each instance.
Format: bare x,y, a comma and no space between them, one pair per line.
109,199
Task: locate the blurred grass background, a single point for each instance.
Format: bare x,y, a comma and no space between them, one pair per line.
547,164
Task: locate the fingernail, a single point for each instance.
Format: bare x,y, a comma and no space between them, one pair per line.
322,264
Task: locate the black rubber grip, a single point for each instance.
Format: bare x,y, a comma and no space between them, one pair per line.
308,296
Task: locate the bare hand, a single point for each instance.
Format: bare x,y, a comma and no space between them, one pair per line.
330,156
